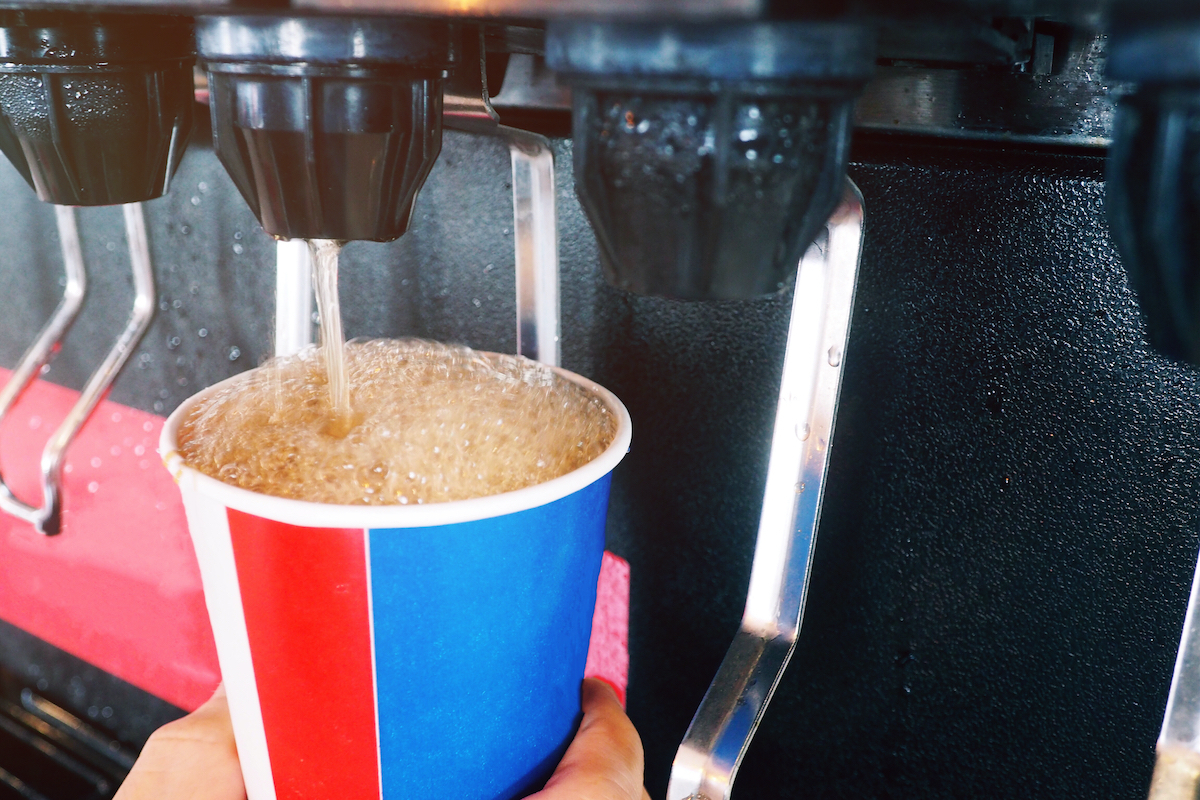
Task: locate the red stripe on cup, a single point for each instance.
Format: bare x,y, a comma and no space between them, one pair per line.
305,595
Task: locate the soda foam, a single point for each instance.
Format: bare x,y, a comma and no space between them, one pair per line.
431,423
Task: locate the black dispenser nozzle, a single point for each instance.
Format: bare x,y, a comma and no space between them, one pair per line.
1153,188
95,109
328,126
709,155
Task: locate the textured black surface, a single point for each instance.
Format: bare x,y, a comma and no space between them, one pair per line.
1011,522
116,709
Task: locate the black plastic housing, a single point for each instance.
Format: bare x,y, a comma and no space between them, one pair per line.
709,156
95,109
1153,192
328,134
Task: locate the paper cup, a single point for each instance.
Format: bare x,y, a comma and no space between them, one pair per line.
403,652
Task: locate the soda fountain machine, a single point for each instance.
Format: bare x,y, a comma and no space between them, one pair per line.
1009,519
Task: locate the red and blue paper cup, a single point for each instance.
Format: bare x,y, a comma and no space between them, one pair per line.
401,652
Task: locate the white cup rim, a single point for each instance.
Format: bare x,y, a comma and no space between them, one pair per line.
326,515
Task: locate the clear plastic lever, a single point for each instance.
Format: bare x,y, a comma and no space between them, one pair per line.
47,516
708,759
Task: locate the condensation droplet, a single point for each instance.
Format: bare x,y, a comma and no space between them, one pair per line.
802,431
835,356
93,487
96,462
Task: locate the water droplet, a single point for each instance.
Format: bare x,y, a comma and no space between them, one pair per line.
234,353
835,356
182,381
173,342
802,431
115,450
110,246
35,423
238,249
176,304
202,186
202,333
754,113
748,135
158,406
143,464
116,416
476,302
237,234
95,462
195,200
643,126
751,155
777,158
185,229
148,426
140,450
69,468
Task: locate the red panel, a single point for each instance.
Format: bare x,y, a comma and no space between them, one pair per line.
608,650
305,595
119,587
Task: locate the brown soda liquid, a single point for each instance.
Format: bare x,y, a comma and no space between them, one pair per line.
431,423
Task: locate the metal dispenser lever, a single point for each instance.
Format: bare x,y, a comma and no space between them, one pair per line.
47,517
467,108
712,750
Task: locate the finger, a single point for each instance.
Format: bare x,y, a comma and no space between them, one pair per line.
190,758
605,761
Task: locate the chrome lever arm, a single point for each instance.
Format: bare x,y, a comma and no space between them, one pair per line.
47,517
468,108
711,752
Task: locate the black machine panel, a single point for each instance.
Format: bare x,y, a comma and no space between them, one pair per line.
1011,518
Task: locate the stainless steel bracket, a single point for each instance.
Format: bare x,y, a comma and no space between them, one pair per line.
293,297
708,759
467,108
47,516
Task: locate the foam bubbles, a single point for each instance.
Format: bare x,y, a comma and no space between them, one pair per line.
431,423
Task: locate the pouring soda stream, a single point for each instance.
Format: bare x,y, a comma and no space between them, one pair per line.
333,338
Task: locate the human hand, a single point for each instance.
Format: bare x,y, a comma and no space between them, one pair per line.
194,758
605,761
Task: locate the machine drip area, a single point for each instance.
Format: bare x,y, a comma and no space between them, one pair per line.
1008,523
